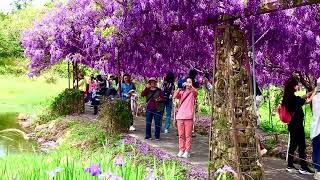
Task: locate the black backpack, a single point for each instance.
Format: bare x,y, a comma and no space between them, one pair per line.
167,90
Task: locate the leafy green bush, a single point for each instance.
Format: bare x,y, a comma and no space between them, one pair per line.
115,116
68,102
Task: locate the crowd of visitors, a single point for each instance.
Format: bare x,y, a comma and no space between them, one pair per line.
160,101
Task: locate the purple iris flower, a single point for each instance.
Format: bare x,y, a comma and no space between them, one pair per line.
94,170
118,161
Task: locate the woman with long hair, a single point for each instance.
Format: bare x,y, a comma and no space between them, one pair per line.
293,105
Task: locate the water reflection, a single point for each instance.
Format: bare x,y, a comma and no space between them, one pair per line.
11,142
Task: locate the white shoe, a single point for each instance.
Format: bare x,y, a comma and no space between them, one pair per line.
263,152
166,131
132,128
180,154
185,155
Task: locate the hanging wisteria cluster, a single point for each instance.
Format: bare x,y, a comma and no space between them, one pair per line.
150,38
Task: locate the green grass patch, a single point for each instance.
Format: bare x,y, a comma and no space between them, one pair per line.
21,94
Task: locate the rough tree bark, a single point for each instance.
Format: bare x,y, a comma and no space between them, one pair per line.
233,140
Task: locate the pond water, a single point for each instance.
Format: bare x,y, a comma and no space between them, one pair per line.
11,142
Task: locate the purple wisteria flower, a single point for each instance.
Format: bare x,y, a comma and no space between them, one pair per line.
197,173
94,170
119,161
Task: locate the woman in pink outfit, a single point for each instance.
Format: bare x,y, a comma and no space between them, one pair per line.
187,101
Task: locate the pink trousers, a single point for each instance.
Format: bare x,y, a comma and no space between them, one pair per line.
185,134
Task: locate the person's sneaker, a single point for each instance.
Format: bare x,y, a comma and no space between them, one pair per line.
157,139
263,152
132,128
180,154
316,176
185,155
148,138
306,171
166,131
291,169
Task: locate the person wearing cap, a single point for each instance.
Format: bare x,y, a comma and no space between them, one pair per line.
315,130
154,107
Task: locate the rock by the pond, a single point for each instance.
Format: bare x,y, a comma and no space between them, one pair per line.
41,127
25,124
23,117
47,146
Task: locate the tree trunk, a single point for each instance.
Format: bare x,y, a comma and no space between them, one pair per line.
232,137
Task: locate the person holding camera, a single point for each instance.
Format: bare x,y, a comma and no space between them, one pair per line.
154,107
185,116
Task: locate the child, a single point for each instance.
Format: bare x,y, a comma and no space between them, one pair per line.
133,102
185,117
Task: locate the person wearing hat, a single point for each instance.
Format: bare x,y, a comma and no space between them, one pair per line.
315,130
154,107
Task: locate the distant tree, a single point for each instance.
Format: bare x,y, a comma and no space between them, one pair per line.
20,4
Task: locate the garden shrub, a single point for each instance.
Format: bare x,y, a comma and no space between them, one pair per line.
68,102
115,116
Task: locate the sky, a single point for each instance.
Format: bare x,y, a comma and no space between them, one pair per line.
5,5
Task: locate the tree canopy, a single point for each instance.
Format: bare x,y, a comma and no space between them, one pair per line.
150,38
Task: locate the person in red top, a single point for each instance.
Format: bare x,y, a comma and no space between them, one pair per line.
154,107
185,116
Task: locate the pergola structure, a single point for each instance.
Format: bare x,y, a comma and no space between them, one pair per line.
233,139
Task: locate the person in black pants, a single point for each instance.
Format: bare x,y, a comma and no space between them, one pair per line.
294,104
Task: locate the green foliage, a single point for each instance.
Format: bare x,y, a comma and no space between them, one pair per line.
68,102
84,135
11,27
50,78
115,116
25,95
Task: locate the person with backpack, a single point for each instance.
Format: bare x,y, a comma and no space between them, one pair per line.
154,107
315,130
185,117
168,89
291,108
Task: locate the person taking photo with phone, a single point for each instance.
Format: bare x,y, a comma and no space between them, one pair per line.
185,116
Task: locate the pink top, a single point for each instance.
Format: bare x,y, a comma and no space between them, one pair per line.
93,86
187,108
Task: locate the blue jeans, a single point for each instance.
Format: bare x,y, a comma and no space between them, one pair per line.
168,107
157,116
316,152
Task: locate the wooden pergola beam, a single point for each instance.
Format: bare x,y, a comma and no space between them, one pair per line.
270,7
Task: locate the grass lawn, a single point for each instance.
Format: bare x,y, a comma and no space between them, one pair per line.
21,94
